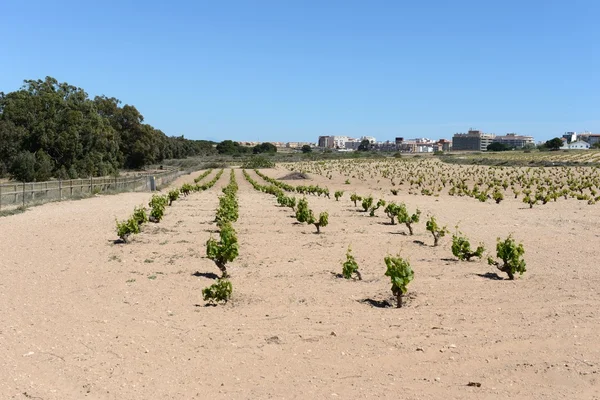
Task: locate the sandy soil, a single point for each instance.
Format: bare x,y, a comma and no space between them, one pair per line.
83,317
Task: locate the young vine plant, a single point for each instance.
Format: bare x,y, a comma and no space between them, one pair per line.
350,266
461,247
511,255
401,274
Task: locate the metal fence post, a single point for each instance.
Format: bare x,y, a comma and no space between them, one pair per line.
0,197
59,190
23,193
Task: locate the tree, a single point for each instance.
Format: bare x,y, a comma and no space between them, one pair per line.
497,146
554,144
364,145
43,166
23,167
231,148
11,142
79,136
264,148
306,149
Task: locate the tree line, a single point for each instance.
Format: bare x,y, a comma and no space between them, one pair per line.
229,147
51,129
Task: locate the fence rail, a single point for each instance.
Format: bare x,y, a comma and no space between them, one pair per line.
20,194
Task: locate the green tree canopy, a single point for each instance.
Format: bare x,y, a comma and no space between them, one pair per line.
264,148
365,145
554,144
67,134
497,146
230,147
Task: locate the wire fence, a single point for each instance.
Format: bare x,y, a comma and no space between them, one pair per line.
21,194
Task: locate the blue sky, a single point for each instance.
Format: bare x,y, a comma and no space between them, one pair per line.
294,70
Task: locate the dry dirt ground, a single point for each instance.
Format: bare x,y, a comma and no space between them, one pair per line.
83,317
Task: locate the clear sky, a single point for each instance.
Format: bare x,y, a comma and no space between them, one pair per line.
284,70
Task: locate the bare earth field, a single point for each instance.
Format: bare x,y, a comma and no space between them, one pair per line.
83,317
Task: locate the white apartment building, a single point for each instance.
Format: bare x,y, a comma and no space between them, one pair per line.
339,142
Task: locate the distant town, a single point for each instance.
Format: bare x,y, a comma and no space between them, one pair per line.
473,140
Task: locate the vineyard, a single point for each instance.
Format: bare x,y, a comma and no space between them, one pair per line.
339,279
524,158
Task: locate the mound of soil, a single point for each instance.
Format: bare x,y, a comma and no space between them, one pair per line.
295,176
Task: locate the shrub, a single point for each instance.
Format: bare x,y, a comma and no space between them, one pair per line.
286,201
497,196
347,182
140,216
157,205
173,195
217,292
372,210
338,194
305,214
367,203
437,231
126,228
405,218
225,250
23,167
350,267
511,255
323,221
186,188
529,199
228,210
481,196
354,197
391,210
461,248
401,274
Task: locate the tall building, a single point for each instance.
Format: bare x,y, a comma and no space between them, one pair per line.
514,140
339,142
472,141
570,136
333,142
325,142
591,138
